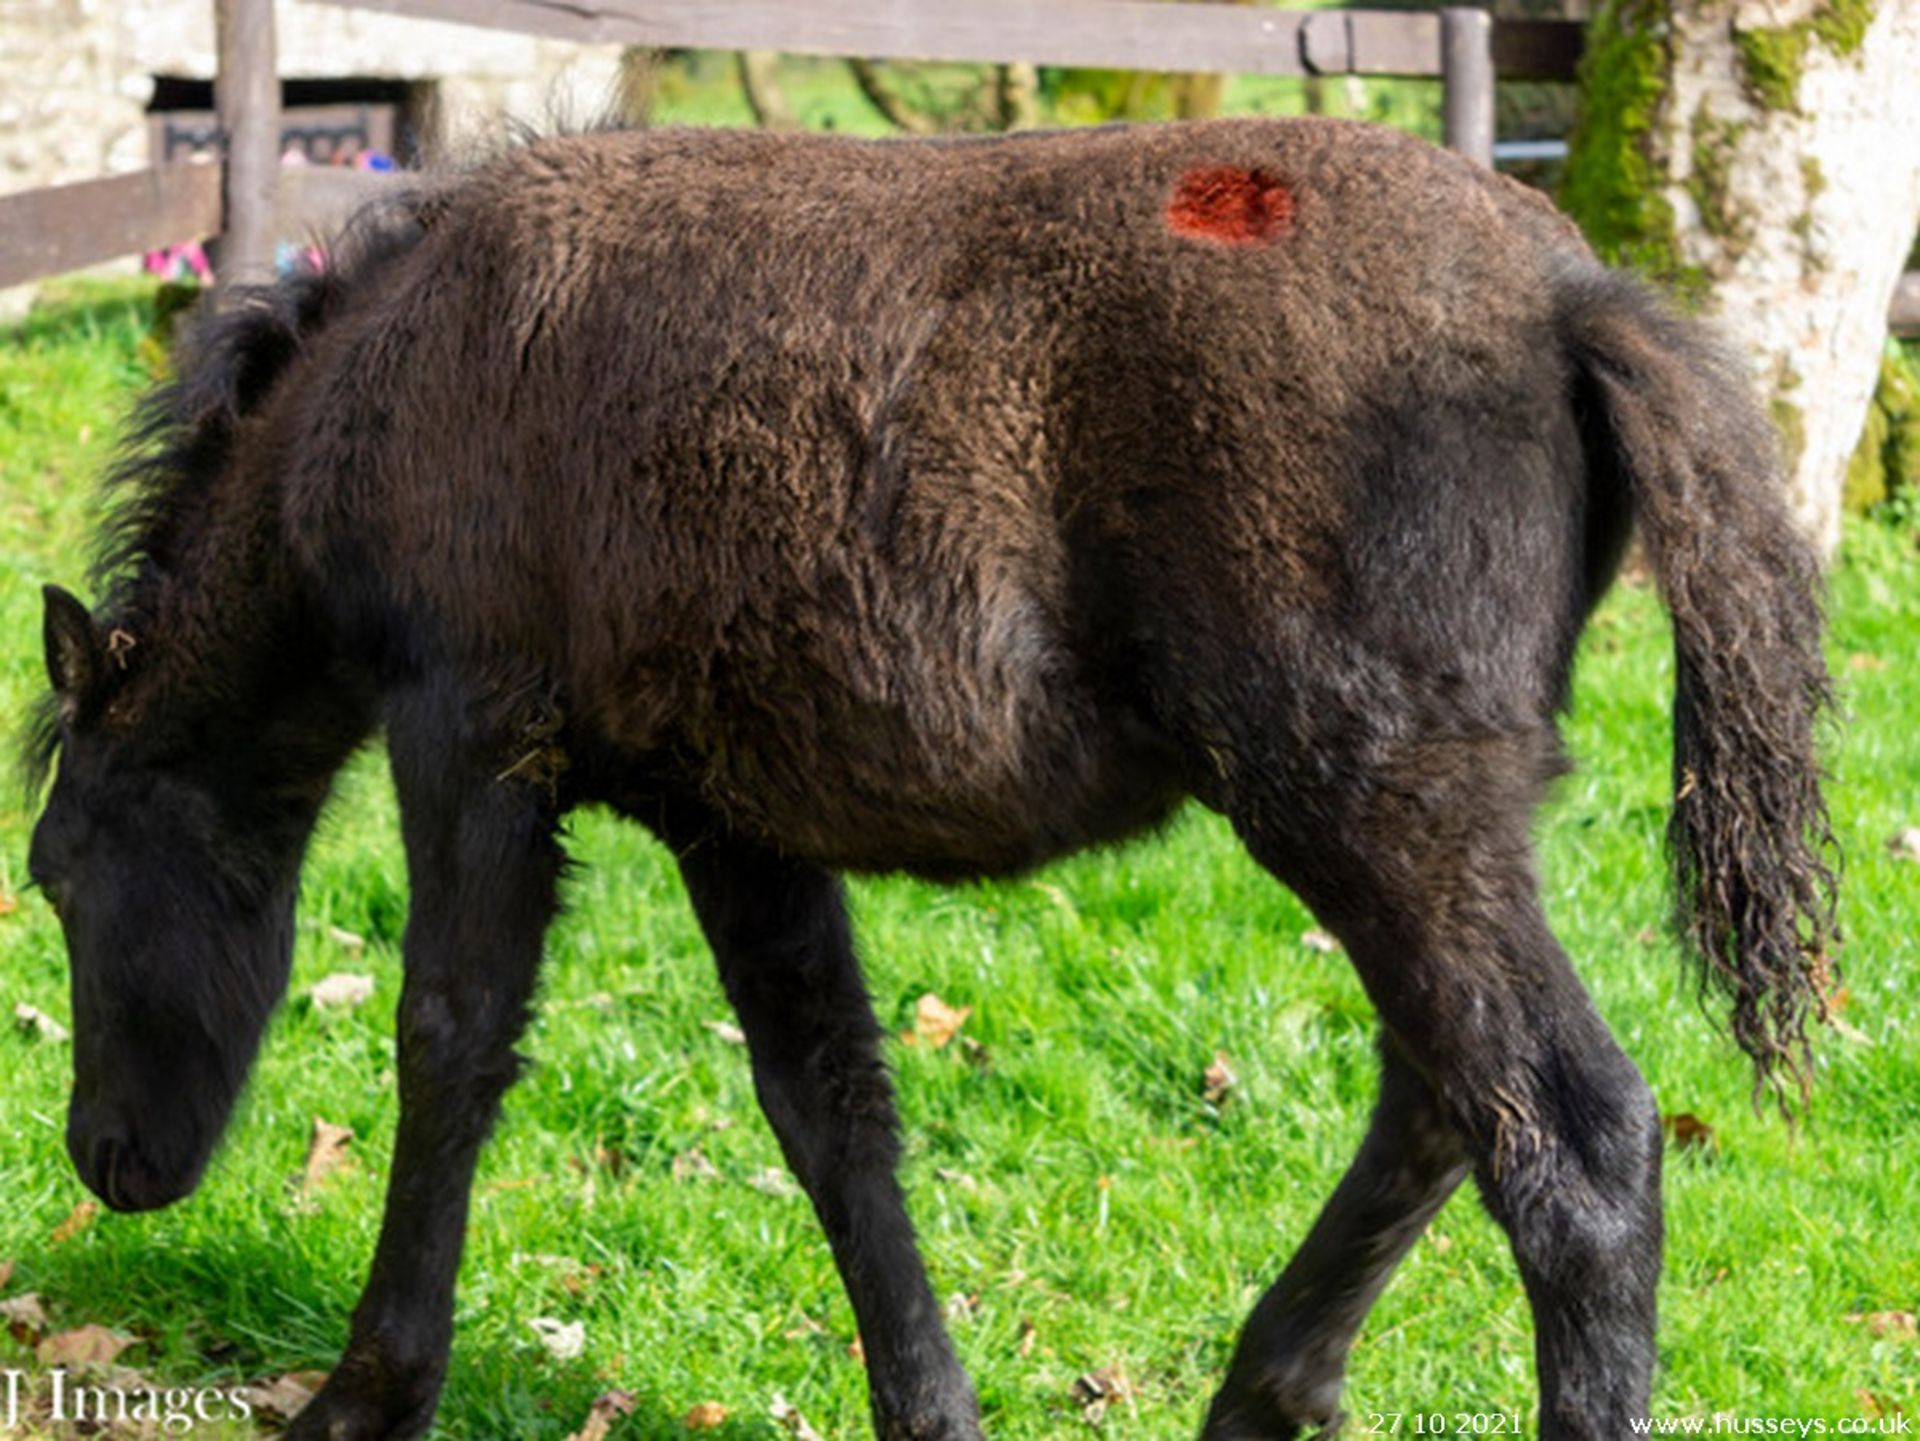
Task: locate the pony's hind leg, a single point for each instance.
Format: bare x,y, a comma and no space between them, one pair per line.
779,932
1417,857
1287,1369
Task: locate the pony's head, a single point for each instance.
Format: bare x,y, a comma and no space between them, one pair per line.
173,871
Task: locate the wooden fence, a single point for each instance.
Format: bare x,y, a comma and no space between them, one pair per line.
250,201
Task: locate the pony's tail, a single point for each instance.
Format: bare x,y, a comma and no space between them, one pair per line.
1673,420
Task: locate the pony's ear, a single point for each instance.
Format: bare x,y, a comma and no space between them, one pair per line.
75,657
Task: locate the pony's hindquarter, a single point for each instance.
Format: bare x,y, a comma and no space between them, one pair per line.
1384,756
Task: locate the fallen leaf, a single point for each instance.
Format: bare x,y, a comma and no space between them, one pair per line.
1887,1323
326,1153
608,1407
1440,1241
9,903
1905,845
1876,1405
774,1182
1218,1081
977,1055
564,1340
78,1219
960,1306
935,1023
341,991
88,1346
1096,1391
707,1416
23,1313
1687,1132
1315,939
788,1415
857,1349
37,1023
694,1166
1862,660
284,1396
1029,1333
727,1031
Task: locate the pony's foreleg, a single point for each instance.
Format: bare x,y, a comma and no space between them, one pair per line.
483,868
1287,1369
779,932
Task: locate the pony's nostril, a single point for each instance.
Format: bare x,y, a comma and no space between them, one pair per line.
106,1167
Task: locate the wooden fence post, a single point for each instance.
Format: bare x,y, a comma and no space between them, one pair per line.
247,94
1466,67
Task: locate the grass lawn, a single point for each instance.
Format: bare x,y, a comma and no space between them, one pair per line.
1082,1202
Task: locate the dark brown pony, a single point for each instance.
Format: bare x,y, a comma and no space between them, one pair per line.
943,507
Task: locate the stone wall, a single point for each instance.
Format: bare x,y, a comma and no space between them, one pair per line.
76,75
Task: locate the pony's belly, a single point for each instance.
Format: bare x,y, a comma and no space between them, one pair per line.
878,793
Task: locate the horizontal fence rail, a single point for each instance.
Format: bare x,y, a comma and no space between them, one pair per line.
69,227
1117,34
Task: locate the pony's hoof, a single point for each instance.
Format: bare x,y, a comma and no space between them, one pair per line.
344,1414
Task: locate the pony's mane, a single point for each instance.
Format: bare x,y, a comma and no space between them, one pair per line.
231,350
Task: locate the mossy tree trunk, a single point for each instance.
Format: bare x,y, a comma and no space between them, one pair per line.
1762,157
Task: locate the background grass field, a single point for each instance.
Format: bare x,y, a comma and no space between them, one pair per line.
1084,1204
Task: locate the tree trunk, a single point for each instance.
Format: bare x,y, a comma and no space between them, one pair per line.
1763,157
760,80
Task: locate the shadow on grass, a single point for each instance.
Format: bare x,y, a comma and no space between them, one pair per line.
243,1310
81,311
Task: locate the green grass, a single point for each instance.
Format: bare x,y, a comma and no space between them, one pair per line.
700,88
1077,1183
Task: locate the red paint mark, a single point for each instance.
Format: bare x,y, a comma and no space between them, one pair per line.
1230,205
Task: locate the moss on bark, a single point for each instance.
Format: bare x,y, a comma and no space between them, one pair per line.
1614,186
1773,57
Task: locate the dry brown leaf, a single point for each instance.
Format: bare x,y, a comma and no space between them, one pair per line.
1901,1324
857,1349
1440,1241
694,1166
774,1182
789,1417
9,903
1315,939
24,1315
1098,1390
284,1396
1218,1080
1874,1405
1862,660
1904,845
38,1024
935,1023
78,1219
87,1346
341,991
727,1031
564,1340
608,1407
707,1416
1687,1132
1029,1333
326,1153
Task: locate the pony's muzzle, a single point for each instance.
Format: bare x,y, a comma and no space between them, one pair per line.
113,1167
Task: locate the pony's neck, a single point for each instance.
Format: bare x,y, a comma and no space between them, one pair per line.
238,649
